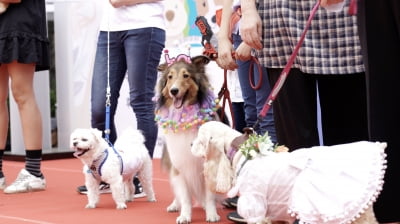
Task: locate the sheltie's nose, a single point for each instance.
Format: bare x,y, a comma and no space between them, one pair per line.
174,91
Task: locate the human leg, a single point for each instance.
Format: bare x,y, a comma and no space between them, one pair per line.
143,49
267,123
3,119
248,93
30,178
343,104
117,71
295,110
379,29
239,115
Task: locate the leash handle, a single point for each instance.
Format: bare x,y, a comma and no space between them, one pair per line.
285,72
254,62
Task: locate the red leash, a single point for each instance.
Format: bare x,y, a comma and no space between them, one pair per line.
254,62
224,95
282,77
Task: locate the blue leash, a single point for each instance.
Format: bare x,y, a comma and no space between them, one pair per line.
107,130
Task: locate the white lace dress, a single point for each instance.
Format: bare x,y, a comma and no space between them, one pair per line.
316,185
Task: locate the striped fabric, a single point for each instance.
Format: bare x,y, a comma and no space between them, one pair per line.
331,46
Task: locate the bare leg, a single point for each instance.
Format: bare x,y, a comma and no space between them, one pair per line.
22,89
3,106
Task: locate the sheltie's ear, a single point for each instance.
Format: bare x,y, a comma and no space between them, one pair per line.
162,67
200,60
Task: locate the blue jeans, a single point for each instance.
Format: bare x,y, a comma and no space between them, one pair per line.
254,100
136,53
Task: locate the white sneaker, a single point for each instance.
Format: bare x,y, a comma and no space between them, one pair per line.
2,183
26,182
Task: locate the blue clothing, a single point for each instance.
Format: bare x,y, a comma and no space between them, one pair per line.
136,53
254,100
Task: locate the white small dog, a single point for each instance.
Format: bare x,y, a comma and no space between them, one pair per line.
322,184
116,165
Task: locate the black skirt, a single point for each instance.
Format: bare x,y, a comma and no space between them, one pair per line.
23,34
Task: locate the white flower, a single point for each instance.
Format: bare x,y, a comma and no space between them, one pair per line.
266,146
253,153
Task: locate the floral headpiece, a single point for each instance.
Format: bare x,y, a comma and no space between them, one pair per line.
259,145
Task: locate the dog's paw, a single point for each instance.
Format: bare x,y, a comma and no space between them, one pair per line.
151,198
213,218
182,219
121,206
173,207
90,205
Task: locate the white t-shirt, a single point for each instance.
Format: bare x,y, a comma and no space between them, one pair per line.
235,5
132,17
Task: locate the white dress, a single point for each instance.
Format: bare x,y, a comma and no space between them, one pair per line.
316,185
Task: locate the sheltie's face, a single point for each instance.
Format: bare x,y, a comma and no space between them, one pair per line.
183,83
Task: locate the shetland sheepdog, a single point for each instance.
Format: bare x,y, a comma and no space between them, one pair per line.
186,101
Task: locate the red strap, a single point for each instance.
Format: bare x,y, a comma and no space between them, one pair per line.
353,7
254,62
282,77
225,95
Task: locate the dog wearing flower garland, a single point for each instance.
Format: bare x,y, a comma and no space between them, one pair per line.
185,102
323,184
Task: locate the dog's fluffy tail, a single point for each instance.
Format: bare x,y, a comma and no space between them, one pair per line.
129,137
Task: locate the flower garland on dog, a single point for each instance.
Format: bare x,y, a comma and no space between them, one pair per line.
187,117
259,145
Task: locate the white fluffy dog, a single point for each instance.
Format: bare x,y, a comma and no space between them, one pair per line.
323,184
116,165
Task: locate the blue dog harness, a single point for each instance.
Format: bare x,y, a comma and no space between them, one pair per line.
95,168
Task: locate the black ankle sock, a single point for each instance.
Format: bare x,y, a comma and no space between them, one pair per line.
33,161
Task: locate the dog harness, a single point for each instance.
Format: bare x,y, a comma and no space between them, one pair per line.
95,168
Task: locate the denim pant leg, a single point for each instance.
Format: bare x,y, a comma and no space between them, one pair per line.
254,100
143,49
117,67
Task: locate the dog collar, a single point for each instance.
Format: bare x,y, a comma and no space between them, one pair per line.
231,153
187,117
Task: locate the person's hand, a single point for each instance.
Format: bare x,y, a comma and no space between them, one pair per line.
243,52
250,28
225,59
329,2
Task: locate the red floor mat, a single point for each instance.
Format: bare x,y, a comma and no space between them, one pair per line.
61,204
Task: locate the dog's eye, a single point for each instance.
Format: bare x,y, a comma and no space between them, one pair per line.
84,139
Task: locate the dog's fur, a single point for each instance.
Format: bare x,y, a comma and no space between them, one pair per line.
181,84
128,153
213,143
